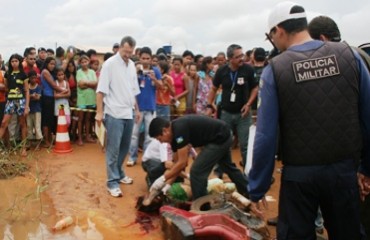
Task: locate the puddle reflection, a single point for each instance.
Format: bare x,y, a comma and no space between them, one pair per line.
40,231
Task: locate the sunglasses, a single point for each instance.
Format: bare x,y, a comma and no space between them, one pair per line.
272,31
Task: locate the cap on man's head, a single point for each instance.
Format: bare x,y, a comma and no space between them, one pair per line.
41,49
283,12
259,54
116,45
323,25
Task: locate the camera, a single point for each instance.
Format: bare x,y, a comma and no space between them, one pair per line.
146,72
139,68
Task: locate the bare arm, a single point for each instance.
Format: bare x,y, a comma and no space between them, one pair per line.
180,163
211,100
137,112
157,82
195,92
49,79
65,94
99,107
169,82
27,93
245,109
92,84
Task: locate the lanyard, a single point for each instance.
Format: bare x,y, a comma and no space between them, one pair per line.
233,78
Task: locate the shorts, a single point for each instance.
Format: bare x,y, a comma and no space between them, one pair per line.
15,106
87,106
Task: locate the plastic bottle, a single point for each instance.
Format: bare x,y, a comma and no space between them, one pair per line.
63,223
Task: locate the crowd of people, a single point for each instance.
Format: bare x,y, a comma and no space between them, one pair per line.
313,97
70,76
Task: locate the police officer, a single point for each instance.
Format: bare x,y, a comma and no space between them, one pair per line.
317,92
200,131
326,29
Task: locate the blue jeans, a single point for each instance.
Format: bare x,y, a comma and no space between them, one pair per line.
119,133
146,117
242,125
163,111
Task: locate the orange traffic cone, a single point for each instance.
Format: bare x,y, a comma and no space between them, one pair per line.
62,143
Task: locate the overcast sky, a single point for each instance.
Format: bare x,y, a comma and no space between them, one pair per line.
203,26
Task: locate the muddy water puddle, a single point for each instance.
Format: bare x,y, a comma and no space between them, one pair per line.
39,230
26,215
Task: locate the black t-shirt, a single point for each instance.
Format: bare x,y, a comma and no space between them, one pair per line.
15,82
40,63
240,82
198,131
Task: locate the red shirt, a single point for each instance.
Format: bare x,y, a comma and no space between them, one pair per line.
72,82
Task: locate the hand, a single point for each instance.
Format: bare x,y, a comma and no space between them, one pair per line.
26,111
137,116
209,112
151,75
364,184
168,164
158,184
245,110
257,209
98,117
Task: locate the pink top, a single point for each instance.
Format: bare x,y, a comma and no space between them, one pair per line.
178,82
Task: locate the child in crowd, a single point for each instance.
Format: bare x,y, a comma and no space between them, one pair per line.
70,73
16,82
180,80
192,83
204,85
164,92
34,117
61,98
86,98
94,65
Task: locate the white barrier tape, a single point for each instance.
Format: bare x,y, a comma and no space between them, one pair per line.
82,109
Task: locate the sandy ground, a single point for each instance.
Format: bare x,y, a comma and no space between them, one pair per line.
76,187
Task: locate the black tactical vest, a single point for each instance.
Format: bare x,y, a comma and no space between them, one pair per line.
318,93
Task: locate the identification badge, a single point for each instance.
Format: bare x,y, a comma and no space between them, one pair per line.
240,81
142,83
232,97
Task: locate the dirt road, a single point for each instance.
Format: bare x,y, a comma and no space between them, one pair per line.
75,186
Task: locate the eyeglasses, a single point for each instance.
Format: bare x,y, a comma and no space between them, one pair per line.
32,58
239,56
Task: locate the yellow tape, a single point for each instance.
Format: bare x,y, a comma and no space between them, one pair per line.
82,109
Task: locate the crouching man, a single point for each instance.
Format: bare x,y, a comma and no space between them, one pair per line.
199,131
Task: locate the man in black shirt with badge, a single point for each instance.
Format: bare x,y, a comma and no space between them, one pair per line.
239,91
199,131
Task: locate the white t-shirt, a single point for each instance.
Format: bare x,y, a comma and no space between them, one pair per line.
118,82
158,151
